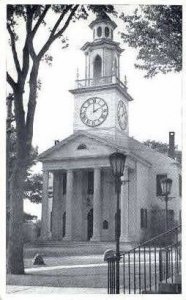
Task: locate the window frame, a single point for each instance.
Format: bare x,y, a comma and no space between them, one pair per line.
143,218
99,31
107,31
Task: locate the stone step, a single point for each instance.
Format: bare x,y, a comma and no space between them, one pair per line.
170,288
73,248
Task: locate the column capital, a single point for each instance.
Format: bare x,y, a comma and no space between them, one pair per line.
45,171
97,168
69,171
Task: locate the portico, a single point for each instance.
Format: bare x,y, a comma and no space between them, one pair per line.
86,197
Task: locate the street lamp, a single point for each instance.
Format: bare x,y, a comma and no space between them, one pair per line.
166,184
117,162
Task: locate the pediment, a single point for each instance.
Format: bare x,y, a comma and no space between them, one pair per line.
77,146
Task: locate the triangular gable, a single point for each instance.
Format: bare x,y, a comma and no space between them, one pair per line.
68,148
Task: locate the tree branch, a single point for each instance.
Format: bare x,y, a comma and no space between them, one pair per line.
40,20
26,48
13,46
11,81
66,9
66,23
31,102
54,37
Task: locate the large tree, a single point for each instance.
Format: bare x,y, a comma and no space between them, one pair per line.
31,19
156,32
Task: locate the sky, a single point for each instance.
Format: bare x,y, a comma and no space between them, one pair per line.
157,105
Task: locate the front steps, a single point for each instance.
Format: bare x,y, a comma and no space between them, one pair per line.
168,287
71,248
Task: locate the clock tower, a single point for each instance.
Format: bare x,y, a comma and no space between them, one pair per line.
101,99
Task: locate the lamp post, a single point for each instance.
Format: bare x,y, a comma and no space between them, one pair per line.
166,184
117,162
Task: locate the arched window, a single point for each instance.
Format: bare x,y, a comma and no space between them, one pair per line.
107,31
97,66
81,147
99,31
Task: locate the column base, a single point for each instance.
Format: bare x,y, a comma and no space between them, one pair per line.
95,239
67,238
125,239
45,236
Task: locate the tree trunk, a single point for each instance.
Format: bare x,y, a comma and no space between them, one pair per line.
15,246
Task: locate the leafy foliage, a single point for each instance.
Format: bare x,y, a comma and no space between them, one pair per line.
163,148
158,146
33,182
28,217
156,31
33,188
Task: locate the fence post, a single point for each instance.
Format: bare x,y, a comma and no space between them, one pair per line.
160,266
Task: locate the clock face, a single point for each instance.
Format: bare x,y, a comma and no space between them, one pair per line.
122,115
94,111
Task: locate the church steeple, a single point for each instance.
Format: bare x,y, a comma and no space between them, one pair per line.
103,53
101,99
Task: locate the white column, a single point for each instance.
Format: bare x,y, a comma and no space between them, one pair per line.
57,207
97,206
124,237
45,220
69,205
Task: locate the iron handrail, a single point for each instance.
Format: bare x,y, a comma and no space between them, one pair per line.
147,265
154,238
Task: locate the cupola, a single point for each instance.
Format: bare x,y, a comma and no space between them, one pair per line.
102,27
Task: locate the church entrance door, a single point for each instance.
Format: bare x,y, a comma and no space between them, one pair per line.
90,224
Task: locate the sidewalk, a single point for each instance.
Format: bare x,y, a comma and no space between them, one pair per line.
13,289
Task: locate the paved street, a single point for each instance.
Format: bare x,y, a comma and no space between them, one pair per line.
13,289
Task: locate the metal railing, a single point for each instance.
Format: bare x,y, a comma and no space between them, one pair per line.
99,81
147,265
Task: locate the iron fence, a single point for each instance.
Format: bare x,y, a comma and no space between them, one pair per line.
146,266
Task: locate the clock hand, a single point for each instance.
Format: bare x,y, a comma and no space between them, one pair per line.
99,108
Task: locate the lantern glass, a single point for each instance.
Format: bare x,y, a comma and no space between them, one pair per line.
117,162
166,185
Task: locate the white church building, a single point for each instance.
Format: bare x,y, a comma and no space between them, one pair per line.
83,204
